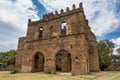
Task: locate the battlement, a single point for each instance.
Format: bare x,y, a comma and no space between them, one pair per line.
21,39
51,16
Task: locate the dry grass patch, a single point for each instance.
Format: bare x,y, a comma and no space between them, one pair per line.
5,75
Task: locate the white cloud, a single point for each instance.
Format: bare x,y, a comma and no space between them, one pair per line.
14,16
116,41
117,44
100,13
17,12
115,52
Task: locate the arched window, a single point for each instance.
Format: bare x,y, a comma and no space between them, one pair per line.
63,25
41,32
63,28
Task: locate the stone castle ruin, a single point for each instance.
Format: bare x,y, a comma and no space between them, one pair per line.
58,42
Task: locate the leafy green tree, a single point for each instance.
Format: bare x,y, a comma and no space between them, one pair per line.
105,50
7,58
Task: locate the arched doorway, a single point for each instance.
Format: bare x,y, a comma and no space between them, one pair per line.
63,61
39,62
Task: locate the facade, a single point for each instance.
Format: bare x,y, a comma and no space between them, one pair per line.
58,42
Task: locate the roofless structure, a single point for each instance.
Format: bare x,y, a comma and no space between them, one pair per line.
59,42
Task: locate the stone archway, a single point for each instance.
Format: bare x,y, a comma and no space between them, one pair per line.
38,62
63,61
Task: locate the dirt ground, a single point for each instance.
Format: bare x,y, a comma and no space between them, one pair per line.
106,75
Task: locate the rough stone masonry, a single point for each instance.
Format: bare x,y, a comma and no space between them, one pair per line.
58,42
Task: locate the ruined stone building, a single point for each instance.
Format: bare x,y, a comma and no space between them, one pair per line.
58,42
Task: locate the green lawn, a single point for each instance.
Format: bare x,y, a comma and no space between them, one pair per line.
5,75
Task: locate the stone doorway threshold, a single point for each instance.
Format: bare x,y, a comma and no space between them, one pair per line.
64,73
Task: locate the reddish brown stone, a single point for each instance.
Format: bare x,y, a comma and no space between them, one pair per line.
75,43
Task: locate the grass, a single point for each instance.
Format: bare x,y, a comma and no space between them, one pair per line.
5,75
116,78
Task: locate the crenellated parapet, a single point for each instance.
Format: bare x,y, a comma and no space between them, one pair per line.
74,7
51,16
67,9
21,39
81,6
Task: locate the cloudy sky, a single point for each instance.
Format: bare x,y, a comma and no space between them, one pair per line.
103,16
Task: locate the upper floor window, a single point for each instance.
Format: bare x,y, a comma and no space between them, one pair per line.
51,28
63,25
63,28
41,32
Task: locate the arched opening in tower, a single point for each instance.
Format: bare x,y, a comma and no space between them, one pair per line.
39,62
63,28
63,61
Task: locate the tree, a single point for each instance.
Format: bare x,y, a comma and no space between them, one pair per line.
105,50
7,58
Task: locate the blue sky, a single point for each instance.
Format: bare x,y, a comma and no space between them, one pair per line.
103,16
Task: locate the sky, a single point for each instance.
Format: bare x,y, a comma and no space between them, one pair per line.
103,16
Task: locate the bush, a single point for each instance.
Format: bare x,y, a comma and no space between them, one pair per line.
14,71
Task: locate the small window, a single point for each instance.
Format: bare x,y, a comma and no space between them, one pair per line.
51,28
63,25
41,32
76,57
63,28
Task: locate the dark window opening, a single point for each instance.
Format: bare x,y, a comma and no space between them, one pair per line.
76,57
51,28
71,46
